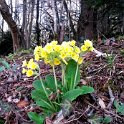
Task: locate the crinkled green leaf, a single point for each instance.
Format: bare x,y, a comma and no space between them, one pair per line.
36,118
50,82
87,89
44,104
73,94
70,74
37,95
37,85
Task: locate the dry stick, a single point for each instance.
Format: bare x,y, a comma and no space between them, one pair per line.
111,97
78,117
108,112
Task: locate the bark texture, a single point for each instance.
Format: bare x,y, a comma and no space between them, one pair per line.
11,23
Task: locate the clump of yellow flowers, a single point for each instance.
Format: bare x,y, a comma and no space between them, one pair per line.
29,67
55,54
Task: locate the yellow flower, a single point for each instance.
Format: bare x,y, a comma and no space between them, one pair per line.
24,63
54,42
48,48
64,43
80,60
72,43
57,48
46,61
91,49
88,43
37,50
24,71
37,57
75,56
43,53
56,61
62,55
77,49
83,48
29,73
29,63
33,65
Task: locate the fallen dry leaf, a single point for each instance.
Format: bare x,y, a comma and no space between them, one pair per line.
48,121
83,82
101,103
22,103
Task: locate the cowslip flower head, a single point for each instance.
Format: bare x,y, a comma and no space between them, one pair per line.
24,63
83,48
37,57
72,42
24,70
88,43
80,60
56,61
29,73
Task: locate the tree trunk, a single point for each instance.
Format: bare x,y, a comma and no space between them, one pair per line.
55,19
11,23
70,20
30,23
24,41
37,24
85,22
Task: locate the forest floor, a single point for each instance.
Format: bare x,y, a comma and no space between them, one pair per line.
105,74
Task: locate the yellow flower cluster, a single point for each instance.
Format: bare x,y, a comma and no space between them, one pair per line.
88,46
29,67
55,54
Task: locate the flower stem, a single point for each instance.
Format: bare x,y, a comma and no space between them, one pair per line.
55,81
75,77
63,75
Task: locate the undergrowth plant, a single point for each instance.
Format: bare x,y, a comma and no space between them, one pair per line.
4,65
50,93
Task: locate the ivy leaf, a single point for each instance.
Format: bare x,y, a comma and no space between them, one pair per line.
36,118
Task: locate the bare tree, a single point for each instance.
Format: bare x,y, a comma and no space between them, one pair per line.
11,23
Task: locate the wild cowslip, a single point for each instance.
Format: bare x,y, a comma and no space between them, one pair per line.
49,93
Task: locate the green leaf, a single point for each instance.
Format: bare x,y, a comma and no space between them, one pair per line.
2,68
6,64
38,95
95,120
87,89
73,94
37,85
44,104
119,107
70,74
107,120
50,82
36,118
